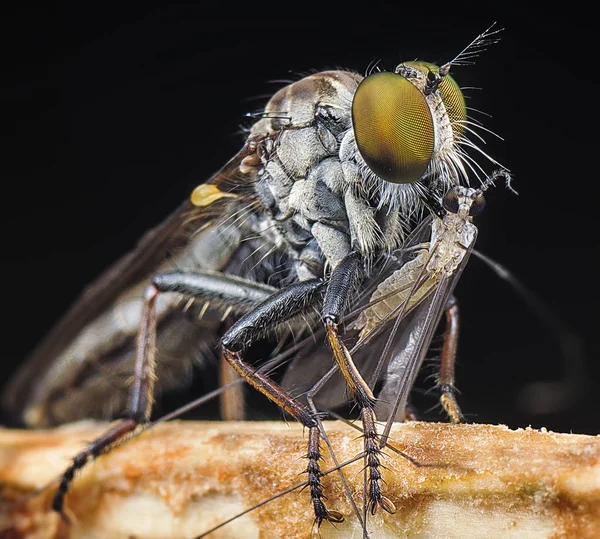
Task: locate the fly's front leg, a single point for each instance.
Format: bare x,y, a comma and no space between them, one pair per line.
240,294
343,283
446,375
279,308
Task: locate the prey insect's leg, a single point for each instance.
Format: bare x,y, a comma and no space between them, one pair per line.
226,290
446,375
343,283
279,308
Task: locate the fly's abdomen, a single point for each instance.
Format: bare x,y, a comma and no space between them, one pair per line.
90,376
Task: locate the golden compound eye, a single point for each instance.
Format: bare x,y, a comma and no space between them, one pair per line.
393,127
452,96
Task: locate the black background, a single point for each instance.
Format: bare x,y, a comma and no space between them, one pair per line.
112,117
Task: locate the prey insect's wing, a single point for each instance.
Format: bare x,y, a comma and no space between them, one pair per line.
42,377
392,346
313,361
408,348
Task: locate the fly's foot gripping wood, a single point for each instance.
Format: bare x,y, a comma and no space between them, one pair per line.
182,478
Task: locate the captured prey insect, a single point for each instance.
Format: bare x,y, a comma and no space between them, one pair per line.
336,175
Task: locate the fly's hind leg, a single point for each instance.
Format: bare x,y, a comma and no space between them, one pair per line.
279,308
343,283
446,376
239,294
140,401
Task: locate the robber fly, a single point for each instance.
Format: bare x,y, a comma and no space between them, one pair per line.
335,176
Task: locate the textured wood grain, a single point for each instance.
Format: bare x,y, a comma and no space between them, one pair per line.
182,478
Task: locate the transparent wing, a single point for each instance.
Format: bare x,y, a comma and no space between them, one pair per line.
94,354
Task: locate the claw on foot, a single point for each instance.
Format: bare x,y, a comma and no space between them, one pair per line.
385,503
322,513
314,481
334,516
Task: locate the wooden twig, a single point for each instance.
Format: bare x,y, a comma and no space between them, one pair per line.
182,478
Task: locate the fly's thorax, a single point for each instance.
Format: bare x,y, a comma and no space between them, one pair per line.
301,184
451,237
321,179
305,122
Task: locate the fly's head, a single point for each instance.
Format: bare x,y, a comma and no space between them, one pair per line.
407,124
411,127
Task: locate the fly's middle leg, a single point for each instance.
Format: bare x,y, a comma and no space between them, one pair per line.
446,375
344,282
279,308
264,310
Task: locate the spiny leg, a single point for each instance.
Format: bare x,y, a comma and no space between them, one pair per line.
310,395
446,375
344,282
234,294
281,307
140,401
241,294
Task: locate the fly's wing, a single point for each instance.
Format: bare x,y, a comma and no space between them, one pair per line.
408,351
73,371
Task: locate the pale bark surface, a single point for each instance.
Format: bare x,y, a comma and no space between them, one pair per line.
181,478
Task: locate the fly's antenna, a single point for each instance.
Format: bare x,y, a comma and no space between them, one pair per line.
473,49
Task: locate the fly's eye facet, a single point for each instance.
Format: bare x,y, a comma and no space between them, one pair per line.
393,127
450,201
452,96
477,205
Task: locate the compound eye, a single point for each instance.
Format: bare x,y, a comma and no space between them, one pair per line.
477,205
393,127
450,201
452,96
